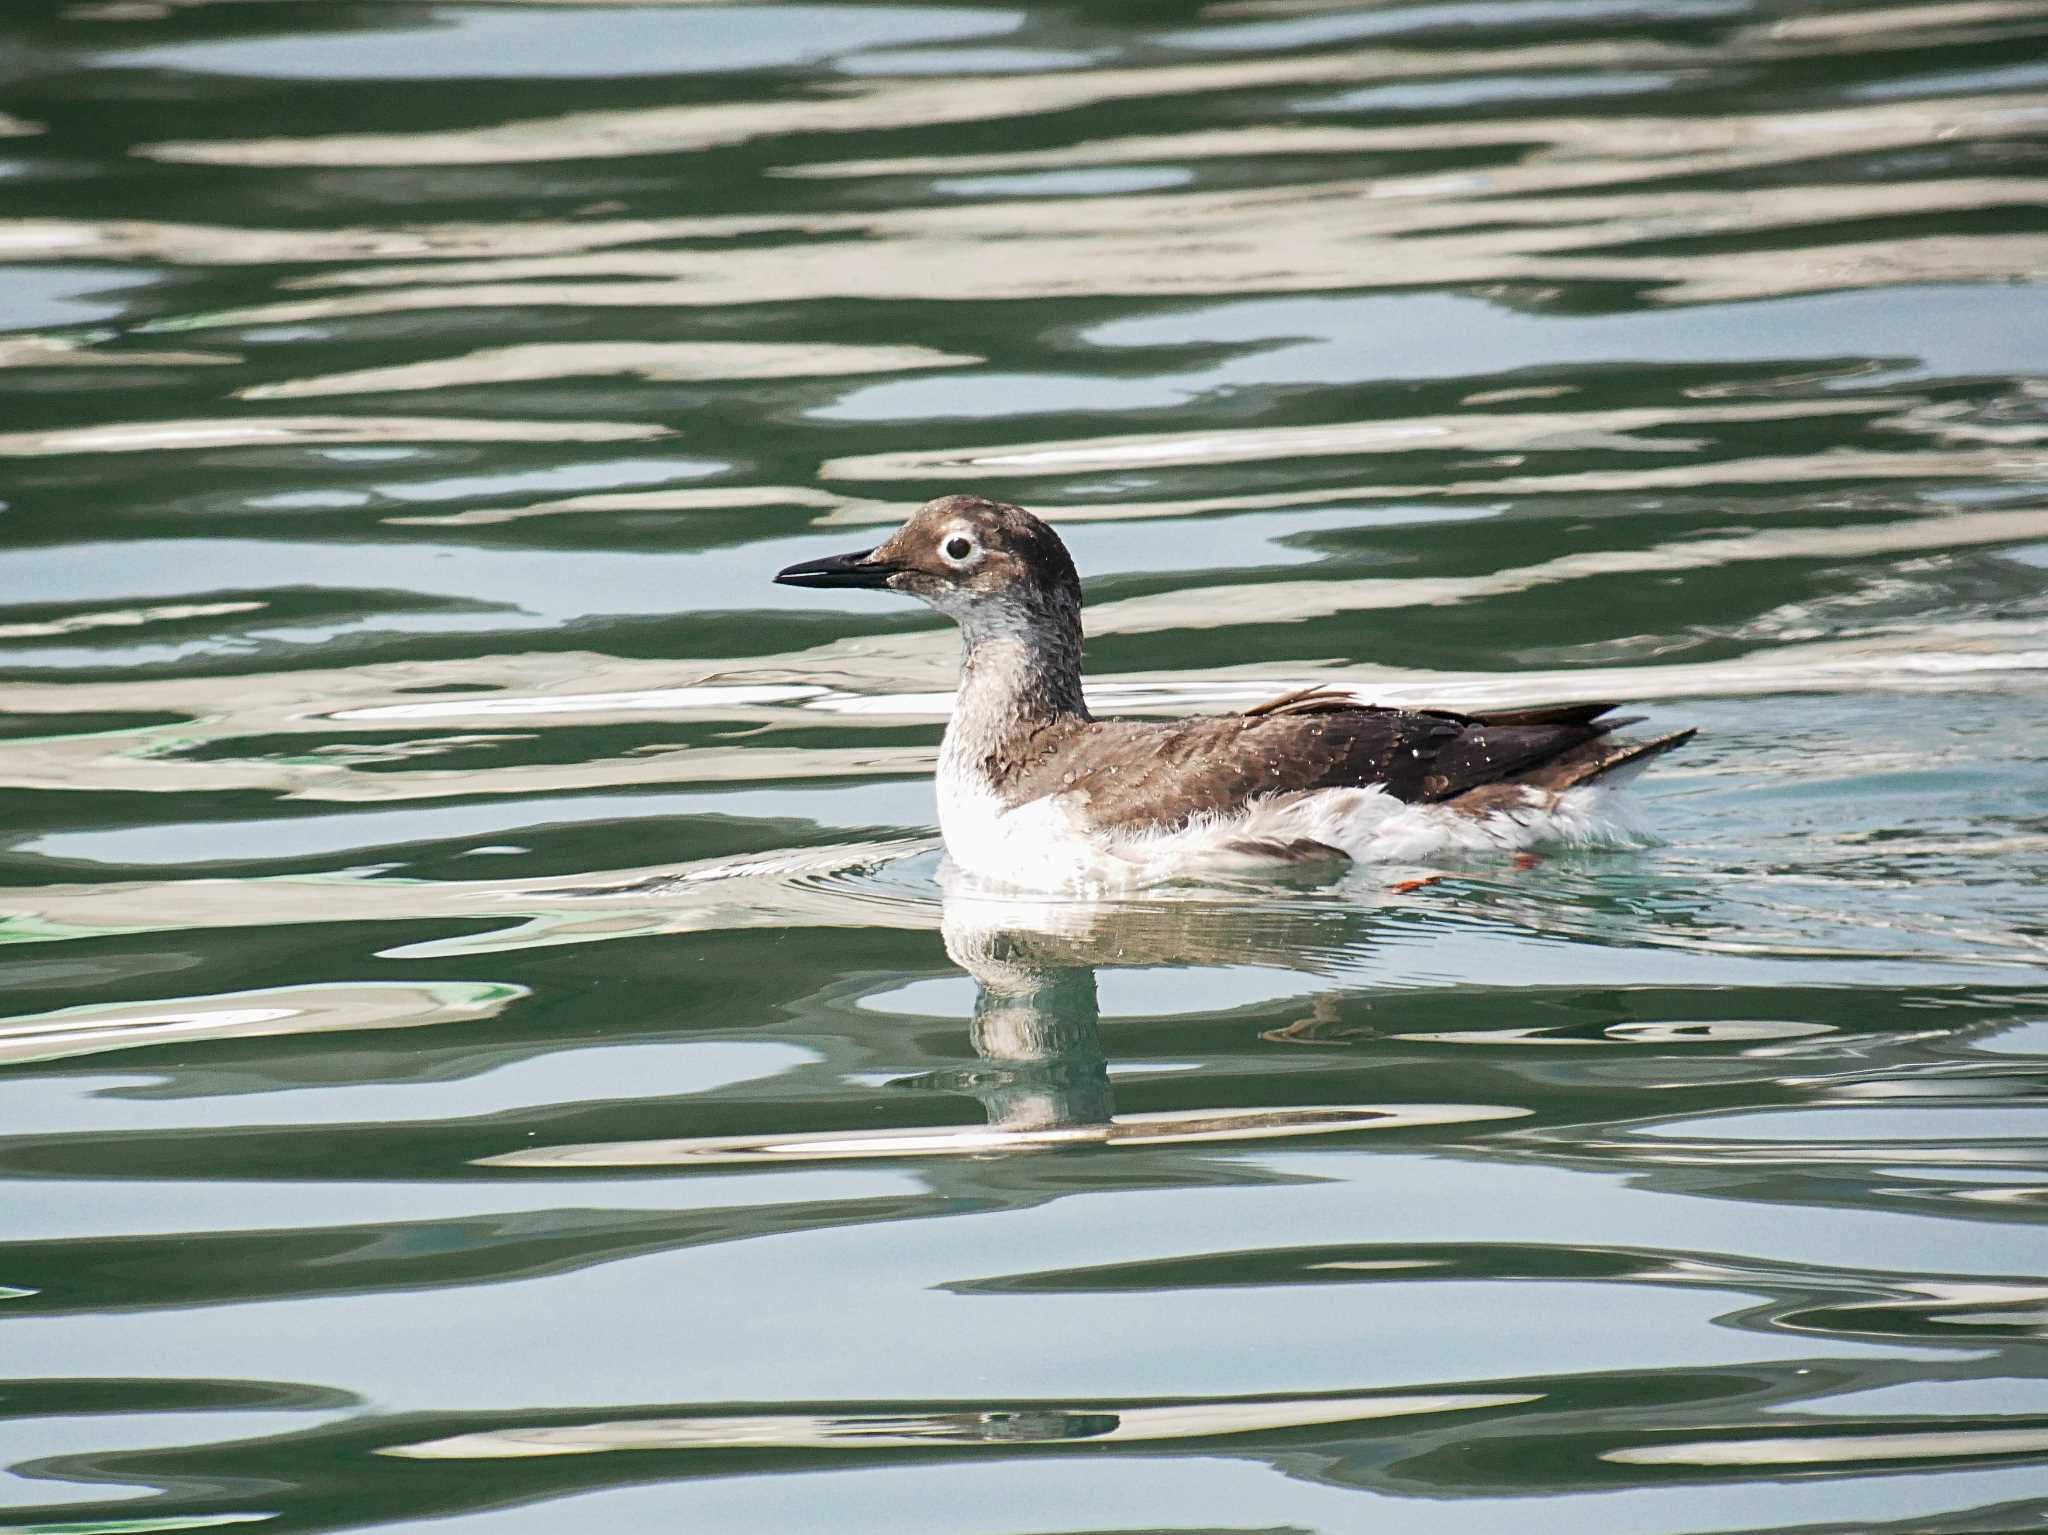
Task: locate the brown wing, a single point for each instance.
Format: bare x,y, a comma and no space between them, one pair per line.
1131,773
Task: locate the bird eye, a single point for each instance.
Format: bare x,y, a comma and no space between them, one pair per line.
958,549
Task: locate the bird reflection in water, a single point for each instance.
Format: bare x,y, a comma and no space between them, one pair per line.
1043,1076
1036,1027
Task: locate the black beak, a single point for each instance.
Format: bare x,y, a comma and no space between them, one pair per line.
857,569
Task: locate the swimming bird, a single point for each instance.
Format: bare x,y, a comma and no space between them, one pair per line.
1034,791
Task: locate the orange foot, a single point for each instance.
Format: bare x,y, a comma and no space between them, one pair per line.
1403,887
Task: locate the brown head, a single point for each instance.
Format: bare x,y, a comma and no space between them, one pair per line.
985,564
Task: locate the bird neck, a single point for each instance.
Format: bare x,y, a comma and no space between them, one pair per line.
1024,663
1020,676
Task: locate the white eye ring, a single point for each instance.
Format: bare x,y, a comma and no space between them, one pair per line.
958,549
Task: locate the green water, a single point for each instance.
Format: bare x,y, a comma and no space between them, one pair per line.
486,1040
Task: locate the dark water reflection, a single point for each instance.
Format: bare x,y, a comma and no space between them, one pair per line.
485,1037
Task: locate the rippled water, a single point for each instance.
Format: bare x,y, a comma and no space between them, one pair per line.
487,1041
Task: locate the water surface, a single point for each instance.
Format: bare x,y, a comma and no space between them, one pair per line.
487,1041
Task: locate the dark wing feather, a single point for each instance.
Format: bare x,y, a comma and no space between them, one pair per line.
1316,699
1319,698
1130,773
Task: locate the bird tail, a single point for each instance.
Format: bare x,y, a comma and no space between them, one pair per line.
1610,763
1558,714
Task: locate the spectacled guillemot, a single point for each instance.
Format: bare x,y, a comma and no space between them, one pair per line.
1033,790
